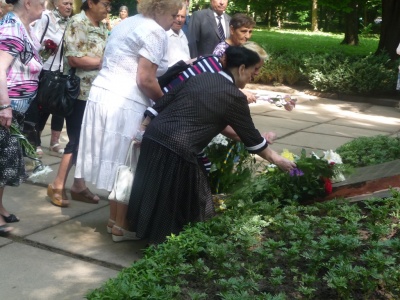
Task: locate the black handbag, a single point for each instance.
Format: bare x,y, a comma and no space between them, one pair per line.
57,92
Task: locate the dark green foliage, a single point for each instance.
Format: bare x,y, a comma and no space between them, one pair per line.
231,166
365,151
262,250
320,61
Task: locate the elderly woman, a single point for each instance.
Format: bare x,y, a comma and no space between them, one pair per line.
240,28
136,53
123,14
51,27
20,66
84,43
172,190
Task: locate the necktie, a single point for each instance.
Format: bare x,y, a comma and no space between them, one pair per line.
220,29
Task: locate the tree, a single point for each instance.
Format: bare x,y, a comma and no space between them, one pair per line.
390,28
351,24
314,15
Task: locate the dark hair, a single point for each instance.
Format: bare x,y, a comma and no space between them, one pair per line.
11,1
241,20
85,5
237,56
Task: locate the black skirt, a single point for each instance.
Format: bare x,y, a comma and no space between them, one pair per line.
168,192
12,165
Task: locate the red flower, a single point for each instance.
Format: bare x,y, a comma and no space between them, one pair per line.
327,185
50,46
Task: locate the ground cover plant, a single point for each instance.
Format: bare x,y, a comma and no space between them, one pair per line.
261,247
320,61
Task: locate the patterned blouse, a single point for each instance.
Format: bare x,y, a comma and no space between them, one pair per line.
194,112
23,75
82,38
221,48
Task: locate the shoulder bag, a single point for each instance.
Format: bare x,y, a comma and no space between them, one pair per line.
57,92
123,182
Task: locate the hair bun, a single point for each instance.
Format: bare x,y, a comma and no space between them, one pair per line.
11,1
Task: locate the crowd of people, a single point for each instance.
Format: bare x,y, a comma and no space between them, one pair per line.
121,101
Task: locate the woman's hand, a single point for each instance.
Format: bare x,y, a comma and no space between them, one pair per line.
273,157
284,164
251,97
6,117
269,136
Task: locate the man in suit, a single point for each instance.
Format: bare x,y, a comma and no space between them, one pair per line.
204,33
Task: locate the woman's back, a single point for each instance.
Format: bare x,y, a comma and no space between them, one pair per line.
136,36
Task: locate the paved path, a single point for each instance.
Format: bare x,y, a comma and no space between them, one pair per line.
61,253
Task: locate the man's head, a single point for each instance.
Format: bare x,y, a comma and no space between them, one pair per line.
179,20
219,6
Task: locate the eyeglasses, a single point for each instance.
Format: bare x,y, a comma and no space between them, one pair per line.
106,4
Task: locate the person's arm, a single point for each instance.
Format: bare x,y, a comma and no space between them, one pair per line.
194,32
5,114
398,49
273,157
270,136
85,62
146,79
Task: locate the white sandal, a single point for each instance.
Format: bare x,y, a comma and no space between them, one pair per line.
126,235
56,151
109,228
39,152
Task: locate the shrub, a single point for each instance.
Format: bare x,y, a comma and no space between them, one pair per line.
365,151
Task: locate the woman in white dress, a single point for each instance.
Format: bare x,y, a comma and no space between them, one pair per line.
135,54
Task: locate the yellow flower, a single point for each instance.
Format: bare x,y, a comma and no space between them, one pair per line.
287,154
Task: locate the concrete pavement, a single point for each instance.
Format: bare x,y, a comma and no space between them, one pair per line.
62,253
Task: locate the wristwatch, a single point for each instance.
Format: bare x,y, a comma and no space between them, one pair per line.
5,106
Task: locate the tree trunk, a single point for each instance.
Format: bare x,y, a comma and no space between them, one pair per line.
351,25
314,16
390,28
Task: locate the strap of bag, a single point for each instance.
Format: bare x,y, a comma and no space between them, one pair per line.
45,30
61,52
128,158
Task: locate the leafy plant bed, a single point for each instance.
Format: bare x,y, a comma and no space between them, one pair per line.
263,250
263,244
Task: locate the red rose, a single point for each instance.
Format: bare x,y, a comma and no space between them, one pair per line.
327,185
50,45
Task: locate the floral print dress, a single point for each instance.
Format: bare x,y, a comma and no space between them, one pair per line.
22,84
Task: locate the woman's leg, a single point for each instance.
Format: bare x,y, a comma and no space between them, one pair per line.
57,124
3,212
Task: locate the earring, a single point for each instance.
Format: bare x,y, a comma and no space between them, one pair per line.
57,7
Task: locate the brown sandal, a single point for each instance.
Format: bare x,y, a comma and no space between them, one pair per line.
84,196
57,197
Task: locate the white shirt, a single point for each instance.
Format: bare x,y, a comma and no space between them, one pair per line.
222,22
54,32
135,37
178,48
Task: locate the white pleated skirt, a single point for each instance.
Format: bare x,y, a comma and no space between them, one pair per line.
109,123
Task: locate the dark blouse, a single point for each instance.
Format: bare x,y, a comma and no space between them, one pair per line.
190,115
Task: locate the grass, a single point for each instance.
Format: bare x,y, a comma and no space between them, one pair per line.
310,42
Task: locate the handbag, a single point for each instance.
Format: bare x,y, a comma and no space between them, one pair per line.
123,182
57,92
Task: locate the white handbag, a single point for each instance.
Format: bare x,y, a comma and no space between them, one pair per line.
122,188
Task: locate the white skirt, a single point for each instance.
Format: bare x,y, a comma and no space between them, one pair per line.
109,123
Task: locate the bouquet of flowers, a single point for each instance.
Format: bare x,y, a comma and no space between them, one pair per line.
286,101
40,171
48,49
311,179
230,163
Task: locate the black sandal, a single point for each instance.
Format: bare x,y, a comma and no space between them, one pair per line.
10,219
4,230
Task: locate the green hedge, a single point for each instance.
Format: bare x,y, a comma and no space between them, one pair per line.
332,72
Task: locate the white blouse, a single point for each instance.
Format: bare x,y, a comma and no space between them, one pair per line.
135,37
54,32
